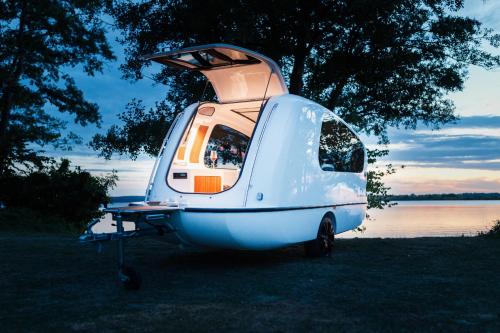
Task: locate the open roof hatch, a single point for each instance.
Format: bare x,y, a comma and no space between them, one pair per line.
236,74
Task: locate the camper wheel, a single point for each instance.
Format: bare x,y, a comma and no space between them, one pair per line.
323,244
130,278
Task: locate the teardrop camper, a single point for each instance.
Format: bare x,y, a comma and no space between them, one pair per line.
259,169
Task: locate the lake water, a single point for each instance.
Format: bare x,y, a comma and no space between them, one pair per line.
412,219
430,219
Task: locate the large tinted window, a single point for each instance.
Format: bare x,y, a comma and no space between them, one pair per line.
339,148
226,148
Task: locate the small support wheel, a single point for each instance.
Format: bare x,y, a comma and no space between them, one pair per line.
322,245
130,278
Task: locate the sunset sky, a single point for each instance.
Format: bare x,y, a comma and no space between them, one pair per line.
460,157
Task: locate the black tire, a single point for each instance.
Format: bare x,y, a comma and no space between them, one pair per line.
132,279
323,244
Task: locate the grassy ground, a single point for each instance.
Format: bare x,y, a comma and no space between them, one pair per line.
52,283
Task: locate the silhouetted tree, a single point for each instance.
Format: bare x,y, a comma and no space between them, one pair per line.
376,63
39,41
58,190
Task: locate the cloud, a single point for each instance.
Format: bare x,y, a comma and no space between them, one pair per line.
443,180
487,12
472,140
481,161
463,131
133,176
445,186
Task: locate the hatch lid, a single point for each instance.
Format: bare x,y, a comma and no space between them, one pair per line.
236,74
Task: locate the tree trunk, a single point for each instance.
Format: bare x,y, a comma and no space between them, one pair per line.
7,100
296,78
335,94
6,106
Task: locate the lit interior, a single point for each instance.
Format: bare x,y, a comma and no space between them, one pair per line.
212,150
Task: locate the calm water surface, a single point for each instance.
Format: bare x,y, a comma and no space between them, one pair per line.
412,219
430,219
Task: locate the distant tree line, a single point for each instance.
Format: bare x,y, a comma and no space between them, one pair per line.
444,196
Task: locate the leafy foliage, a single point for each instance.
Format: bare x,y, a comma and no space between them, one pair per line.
376,63
494,232
378,192
142,131
39,41
72,195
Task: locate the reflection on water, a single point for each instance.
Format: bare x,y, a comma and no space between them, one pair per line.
108,225
430,219
408,219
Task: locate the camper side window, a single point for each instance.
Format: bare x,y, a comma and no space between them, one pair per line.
226,148
339,148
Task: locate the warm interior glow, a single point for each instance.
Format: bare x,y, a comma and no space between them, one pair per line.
197,144
207,184
216,143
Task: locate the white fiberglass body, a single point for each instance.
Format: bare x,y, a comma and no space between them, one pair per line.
260,168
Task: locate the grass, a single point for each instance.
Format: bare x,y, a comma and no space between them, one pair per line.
52,283
25,220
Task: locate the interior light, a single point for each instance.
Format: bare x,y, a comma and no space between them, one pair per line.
206,111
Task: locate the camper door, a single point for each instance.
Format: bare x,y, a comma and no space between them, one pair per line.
235,73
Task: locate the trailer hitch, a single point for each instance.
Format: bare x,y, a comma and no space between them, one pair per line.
147,220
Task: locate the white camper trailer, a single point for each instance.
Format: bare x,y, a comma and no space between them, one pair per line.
258,169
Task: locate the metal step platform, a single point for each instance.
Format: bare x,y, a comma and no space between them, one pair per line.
148,218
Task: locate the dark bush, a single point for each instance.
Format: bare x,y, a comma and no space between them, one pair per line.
494,232
70,194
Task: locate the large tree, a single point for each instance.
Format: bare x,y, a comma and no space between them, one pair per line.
376,63
39,41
